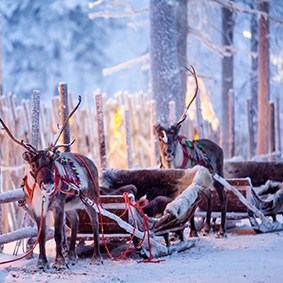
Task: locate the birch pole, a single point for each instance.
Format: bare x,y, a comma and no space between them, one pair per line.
199,118
128,139
34,142
278,124
154,145
35,118
271,129
231,124
64,109
100,132
250,128
172,115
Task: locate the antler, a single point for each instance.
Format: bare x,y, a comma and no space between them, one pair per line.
196,91
27,146
62,145
53,146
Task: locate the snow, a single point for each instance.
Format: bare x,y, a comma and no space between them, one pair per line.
241,257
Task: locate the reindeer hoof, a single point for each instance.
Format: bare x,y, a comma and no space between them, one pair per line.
96,261
42,264
193,234
205,232
221,235
60,264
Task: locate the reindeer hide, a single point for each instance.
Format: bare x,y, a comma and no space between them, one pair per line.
154,182
183,202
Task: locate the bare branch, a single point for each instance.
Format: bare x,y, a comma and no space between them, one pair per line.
125,65
232,6
221,51
108,15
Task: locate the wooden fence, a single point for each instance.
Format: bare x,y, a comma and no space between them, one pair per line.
128,133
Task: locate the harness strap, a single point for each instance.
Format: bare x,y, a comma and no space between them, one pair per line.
188,156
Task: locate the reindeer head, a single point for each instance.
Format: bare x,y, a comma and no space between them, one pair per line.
42,162
168,138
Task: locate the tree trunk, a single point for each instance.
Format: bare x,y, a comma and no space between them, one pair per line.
165,76
254,79
227,75
263,81
182,32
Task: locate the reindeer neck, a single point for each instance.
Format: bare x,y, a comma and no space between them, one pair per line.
179,156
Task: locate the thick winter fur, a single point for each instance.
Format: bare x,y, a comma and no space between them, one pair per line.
269,198
184,201
171,155
159,186
40,170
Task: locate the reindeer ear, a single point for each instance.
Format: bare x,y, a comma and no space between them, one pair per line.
28,156
177,130
158,128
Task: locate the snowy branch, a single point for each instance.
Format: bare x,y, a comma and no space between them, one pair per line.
129,13
138,24
221,51
232,6
125,65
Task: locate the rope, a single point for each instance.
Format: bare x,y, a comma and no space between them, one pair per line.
37,240
97,191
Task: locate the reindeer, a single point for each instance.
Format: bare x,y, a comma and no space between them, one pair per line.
48,173
176,154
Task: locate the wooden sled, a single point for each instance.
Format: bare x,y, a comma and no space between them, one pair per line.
121,229
253,213
235,208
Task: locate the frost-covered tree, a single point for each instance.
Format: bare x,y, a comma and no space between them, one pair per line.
165,75
227,74
182,33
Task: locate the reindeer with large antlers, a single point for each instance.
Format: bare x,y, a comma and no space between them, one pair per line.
56,182
178,152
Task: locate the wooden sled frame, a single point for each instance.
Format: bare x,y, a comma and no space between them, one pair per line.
157,227
253,213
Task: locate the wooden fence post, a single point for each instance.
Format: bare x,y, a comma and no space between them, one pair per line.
64,109
231,124
250,129
128,139
278,124
199,118
271,128
153,139
100,132
35,118
172,115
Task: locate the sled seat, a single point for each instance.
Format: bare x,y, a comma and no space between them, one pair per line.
112,231
235,208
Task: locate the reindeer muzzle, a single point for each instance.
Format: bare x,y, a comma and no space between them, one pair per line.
45,180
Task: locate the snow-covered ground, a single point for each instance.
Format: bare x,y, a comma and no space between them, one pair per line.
241,257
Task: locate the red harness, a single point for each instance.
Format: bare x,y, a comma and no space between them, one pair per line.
186,156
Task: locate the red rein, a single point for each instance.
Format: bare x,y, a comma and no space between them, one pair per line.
129,205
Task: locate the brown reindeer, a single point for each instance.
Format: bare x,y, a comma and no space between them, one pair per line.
49,174
178,152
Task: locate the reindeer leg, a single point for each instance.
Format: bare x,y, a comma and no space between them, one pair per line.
193,232
96,258
73,221
207,227
223,200
58,212
42,259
